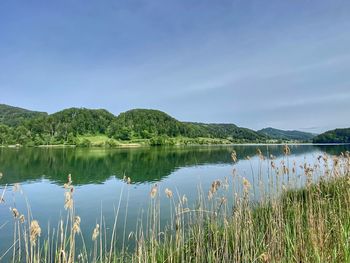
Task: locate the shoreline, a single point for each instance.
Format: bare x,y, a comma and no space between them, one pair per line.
138,145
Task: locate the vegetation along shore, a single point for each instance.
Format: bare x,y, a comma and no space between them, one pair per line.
139,127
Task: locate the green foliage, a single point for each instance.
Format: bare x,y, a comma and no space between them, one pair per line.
13,116
286,135
334,136
152,126
226,131
162,140
123,133
110,143
38,140
144,124
71,139
84,143
147,124
6,135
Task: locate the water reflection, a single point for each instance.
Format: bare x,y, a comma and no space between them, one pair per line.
93,166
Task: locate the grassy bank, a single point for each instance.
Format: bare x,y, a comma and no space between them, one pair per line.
105,141
226,224
102,140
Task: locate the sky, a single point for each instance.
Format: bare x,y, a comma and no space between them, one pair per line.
282,64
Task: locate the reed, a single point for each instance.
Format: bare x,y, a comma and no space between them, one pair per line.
288,223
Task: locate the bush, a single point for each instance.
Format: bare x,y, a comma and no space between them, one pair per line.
85,143
110,143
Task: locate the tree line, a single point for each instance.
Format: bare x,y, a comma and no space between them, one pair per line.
159,128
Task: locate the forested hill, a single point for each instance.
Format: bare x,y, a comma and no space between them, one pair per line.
70,125
334,136
13,116
231,131
286,135
144,123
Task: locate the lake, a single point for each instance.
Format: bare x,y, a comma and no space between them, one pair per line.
36,176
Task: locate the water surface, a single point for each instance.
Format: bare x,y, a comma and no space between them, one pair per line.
97,174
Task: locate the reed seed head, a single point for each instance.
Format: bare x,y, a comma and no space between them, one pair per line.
96,232
184,199
168,193
15,213
214,187
76,225
68,185
154,191
69,178
234,156
246,184
286,150
264,257
273,166
259,153
35,231
68,200
223,200
127,179
22,219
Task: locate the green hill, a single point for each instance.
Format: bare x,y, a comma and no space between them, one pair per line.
82,121
334,136
286,135
227,131
64,126
144,123
80,126
13,116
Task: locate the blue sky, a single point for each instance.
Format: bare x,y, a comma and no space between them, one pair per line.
284,64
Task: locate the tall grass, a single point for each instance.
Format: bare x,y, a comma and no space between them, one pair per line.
286,224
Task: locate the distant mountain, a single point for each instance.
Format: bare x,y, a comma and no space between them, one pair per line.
334,136
13,116
286,135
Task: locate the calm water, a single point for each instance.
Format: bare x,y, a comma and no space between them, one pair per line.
97,176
